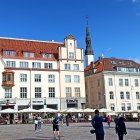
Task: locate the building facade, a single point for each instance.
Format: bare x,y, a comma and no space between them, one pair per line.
113,84
41,74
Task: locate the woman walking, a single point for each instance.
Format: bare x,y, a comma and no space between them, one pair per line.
121,128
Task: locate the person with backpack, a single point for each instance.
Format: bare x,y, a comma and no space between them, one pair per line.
56,126
121,128
97,123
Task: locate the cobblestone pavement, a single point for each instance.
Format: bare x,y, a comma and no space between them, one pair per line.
76,131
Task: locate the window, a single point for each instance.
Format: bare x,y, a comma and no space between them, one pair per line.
110,82
37,92
138,106
76,66
120,82
68,92
136,83
51,78
128,95
76,79
77,92
51,92
28,54
10,63
8,92
36,65
37,77
23,77
112,107
23,92
128,106
71,55
67,66
48,65
9,53
111,95
137,95
24,65
67,79
123,106
122,95
126,82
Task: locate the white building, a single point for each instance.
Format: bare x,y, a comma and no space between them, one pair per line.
113,84
41,74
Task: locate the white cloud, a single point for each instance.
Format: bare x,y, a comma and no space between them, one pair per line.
137,60
135,1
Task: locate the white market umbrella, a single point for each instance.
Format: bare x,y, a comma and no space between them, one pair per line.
63,110
89,110
105,110
71,110
80,110
28,110
9,110
50,110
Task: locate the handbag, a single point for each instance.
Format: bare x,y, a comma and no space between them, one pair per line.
92,131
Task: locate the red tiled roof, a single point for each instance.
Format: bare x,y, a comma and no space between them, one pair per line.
109,64
32,46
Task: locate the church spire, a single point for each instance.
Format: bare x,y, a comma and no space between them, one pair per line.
89,55
88,50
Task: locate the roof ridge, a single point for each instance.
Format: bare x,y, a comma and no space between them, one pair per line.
30,40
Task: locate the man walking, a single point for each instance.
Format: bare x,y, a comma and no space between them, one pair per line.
56,126
97,123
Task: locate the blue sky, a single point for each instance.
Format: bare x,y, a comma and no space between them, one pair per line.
114,24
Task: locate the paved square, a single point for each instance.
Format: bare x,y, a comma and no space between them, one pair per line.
76,131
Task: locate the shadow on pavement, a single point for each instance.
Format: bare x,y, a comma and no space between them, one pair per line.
43,138
131,128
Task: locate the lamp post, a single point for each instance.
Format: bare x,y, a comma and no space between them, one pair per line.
44,102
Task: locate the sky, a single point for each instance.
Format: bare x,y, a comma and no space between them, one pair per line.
114,24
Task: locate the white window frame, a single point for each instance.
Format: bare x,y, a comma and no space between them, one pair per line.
23,77
67,78
76,79
37,77
36,65
77,92
68,92
51,78
48,65
8,92
23,92
67,66
51,92
38,92
24,64
76,67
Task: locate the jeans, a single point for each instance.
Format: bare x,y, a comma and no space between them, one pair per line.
39,125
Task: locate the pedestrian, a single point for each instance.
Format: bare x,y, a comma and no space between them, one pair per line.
56,126
97,123
39,122
116,119
108,120
67,120
121,128
36,123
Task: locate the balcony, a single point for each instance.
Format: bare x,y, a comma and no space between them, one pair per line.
8,78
